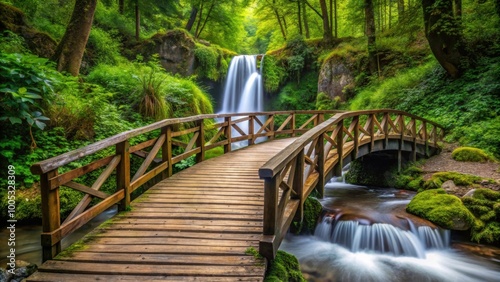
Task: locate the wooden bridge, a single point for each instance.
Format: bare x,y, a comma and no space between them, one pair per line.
200,223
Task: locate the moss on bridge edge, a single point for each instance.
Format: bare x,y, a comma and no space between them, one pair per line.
312,211
284,267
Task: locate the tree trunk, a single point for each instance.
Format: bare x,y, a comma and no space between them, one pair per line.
401,10
370,34
121,6
336,33
444,35
327,32
299,16
306,21
200,17
69,52
457,8
137,21
206,19
192,19
331,17
278,18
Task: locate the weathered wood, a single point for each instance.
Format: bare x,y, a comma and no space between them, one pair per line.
50,214
200,142
85,189
123,173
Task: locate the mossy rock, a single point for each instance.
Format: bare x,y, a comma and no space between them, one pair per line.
485,205
312,211
445,210
284,267
469,154
438,178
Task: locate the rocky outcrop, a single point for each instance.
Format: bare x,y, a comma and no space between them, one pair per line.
175,49
336,78
14,20
22,270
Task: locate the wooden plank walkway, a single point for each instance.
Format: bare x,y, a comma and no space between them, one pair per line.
195,225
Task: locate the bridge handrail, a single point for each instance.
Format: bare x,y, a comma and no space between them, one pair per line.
304,165
194,137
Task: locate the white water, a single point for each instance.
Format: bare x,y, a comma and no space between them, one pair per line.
244,93
369,249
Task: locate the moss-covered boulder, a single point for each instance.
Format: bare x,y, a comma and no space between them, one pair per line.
469,154
285,267
460,179
445,210
14,20
312,212
485,205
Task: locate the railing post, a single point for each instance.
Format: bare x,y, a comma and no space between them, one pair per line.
371,130
166,151
250,129
401,140
271,227
200,142
51,219
298,183
356,137
337,170
123,173
227,132
385,125
293,124
271,127
320,149
414,137
424,129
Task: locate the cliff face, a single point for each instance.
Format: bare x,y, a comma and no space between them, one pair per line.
14,20
336,77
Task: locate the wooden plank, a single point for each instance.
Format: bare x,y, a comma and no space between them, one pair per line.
173,241
142,145
51,277
85,189
188,228
176,234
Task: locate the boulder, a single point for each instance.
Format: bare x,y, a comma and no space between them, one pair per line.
175,49
450,187
14,20
335,78
22,271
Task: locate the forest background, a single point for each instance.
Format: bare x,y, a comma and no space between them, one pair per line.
434,58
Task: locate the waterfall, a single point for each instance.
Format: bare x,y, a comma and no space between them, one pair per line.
244,90
382,238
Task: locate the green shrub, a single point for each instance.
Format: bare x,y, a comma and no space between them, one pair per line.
284,267
324,102
442,209
207,58
273,73
469,154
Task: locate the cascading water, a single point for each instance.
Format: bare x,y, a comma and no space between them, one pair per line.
366,235
243,91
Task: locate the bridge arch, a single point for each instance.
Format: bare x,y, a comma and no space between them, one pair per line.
303,166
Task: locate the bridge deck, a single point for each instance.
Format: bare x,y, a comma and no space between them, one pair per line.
195,225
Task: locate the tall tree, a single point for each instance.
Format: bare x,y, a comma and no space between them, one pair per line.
137,21
444,34
327,31
192,18
306,20
370,34
401,10
70,50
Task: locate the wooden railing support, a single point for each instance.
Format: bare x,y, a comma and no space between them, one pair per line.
251,131
51,218
339,139
200,142
320,149
166,151
123,173
298,184
227,132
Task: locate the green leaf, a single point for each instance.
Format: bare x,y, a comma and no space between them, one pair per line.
15,120
22,90
40,124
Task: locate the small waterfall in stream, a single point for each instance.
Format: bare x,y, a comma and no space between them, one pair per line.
382,237
243,91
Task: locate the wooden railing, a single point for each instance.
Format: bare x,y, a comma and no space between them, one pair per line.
167,142
291,175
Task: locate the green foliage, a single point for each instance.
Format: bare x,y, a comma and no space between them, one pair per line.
469,154
438,178
410,177
442,209
274,74
25,85
485,205
152,101
312,211
207,59
324,102
298,96
103,47
12,43
284,267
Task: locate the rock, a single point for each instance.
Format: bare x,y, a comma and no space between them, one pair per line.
175,49
14,20
470,193
22,271
484,182
335,78
450,187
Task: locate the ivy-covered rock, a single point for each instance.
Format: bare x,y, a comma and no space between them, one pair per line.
445,210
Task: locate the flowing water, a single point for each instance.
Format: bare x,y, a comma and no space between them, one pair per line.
244,92
366,235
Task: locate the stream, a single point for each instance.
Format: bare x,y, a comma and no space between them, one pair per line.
365,234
